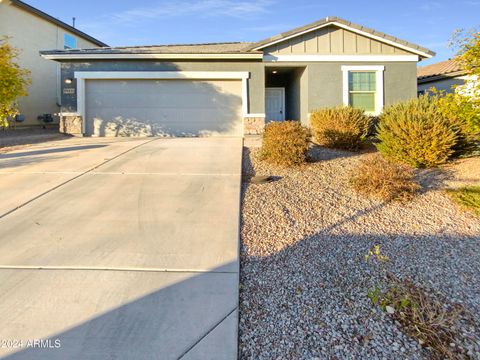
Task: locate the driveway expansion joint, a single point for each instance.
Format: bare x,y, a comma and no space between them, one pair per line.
207,333
74,178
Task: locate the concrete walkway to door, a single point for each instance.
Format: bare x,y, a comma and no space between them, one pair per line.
120,249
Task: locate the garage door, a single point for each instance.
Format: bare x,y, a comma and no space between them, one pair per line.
163,108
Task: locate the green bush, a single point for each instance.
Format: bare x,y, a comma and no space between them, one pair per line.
285,143
339,127
463,114
415,132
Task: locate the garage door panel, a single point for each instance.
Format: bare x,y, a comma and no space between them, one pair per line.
163,108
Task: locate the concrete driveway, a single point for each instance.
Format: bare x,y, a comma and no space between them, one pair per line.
120,249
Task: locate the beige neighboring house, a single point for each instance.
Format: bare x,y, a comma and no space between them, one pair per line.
31,31
441,76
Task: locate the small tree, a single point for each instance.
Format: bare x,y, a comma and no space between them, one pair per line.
13,81
466,100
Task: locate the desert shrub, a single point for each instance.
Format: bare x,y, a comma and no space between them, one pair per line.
467,197
285,143
415,132
463,115
383,179
339,127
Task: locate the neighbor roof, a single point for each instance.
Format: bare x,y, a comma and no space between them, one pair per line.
449,68
354,27
55,21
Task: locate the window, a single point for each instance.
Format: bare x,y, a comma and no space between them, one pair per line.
69,41
363,88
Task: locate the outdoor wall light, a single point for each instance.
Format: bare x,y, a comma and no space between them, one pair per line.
274,71
68,81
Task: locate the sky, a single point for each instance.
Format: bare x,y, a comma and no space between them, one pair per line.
429,23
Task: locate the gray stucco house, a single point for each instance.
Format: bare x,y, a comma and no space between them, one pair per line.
233,88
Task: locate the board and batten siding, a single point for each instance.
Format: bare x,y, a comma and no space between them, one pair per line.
332,40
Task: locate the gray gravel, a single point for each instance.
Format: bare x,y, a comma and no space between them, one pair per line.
304,279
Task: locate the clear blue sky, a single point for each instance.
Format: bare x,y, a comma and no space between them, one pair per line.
146,22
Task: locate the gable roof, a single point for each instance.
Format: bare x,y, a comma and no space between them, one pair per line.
447,68
333,20
55,21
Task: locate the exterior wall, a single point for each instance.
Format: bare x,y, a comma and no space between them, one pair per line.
325,86
256,82
30,34
443,84
332,40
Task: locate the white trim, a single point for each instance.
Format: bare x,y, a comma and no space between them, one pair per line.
336,58
162,75
352,29
79,55
254,115
363,68
379,89
82,76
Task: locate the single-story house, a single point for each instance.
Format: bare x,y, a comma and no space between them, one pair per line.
443,76
233,88
30,30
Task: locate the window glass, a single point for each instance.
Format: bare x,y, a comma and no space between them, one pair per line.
69,42
361,88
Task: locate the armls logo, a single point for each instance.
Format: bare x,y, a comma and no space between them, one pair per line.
44,344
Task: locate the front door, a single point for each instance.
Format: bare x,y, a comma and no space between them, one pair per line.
275,104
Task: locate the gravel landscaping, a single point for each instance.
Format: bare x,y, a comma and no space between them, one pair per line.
304,278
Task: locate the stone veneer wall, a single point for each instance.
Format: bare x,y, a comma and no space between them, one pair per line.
71,124
253,125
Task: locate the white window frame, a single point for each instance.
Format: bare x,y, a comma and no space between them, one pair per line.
379,90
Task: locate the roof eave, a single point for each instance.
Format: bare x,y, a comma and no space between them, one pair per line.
126,56
430,78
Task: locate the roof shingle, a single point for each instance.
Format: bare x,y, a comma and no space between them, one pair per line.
446,67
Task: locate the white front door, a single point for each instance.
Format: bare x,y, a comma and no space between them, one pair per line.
275,104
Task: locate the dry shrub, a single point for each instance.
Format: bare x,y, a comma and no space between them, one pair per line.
415,132
383,179
285,143
426,318
340,127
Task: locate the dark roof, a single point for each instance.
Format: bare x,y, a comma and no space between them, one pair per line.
208,48
51,19
449,68
331,19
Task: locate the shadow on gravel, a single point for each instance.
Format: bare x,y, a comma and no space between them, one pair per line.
433,179
311,297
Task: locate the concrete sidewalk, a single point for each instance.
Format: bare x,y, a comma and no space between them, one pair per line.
133,254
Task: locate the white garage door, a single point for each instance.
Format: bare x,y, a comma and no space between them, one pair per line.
163,107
